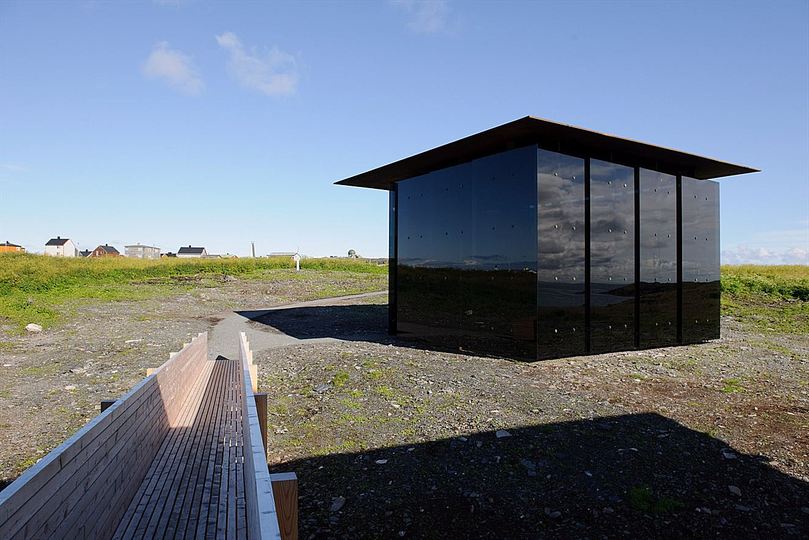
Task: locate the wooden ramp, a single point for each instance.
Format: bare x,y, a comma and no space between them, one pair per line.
182,455
195,486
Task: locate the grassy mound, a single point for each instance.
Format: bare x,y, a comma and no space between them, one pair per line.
33,287
774,298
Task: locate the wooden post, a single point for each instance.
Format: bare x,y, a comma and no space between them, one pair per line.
261,408
254,377
285,493
106,404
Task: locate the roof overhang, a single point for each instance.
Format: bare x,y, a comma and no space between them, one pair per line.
551,136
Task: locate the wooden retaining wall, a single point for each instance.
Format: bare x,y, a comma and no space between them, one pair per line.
81,488
262,518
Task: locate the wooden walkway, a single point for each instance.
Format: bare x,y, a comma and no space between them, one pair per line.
195,486
181,455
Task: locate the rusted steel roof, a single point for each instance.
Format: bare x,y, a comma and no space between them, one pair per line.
551,136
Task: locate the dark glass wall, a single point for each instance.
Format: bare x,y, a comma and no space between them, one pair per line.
700,260
658,259
492,257
466,255
560,255
612,257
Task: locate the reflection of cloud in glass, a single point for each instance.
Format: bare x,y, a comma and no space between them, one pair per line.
612,223
658,227
700,230
561,218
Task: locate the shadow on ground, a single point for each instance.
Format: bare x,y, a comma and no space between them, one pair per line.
352,322
640,475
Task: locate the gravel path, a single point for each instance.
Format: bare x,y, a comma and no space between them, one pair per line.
223,339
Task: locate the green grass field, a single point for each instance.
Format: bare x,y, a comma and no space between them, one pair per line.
773,298
35,288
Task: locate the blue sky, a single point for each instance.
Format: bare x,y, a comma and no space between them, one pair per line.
217,124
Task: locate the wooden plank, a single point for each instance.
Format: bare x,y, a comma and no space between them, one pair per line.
75,483
222,507
179,371
69,454
199,504
61,488
150,482
175,525
164,477
285,493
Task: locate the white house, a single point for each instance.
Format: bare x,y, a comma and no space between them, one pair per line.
61,247
192,252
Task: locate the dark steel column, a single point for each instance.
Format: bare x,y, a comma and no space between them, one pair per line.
587,347
637,257
679,259
393,257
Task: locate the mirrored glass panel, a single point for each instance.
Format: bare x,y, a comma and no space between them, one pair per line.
560,255
658,259
612,257
498,250
427,277
701,287
467,256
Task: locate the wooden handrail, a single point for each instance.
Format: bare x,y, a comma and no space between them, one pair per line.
262,518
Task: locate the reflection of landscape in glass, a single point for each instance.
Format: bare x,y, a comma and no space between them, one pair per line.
491,257
467,255
658,259
612,257
560,255
701,288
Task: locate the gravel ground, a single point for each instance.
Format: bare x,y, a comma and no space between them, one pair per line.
51,383
392,440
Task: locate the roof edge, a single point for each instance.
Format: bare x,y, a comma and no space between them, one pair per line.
565,138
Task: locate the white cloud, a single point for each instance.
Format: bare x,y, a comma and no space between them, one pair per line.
174,67
750,255
273,73
425,16
785,246
13,167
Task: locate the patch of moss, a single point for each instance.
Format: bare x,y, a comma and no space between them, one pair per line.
340,379
732,386
642,499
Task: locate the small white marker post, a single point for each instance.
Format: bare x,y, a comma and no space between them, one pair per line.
297,259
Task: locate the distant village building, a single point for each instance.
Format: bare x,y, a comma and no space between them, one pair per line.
105,251
168,255
190,252
61,247
8,247
282,254
85,253
138,251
